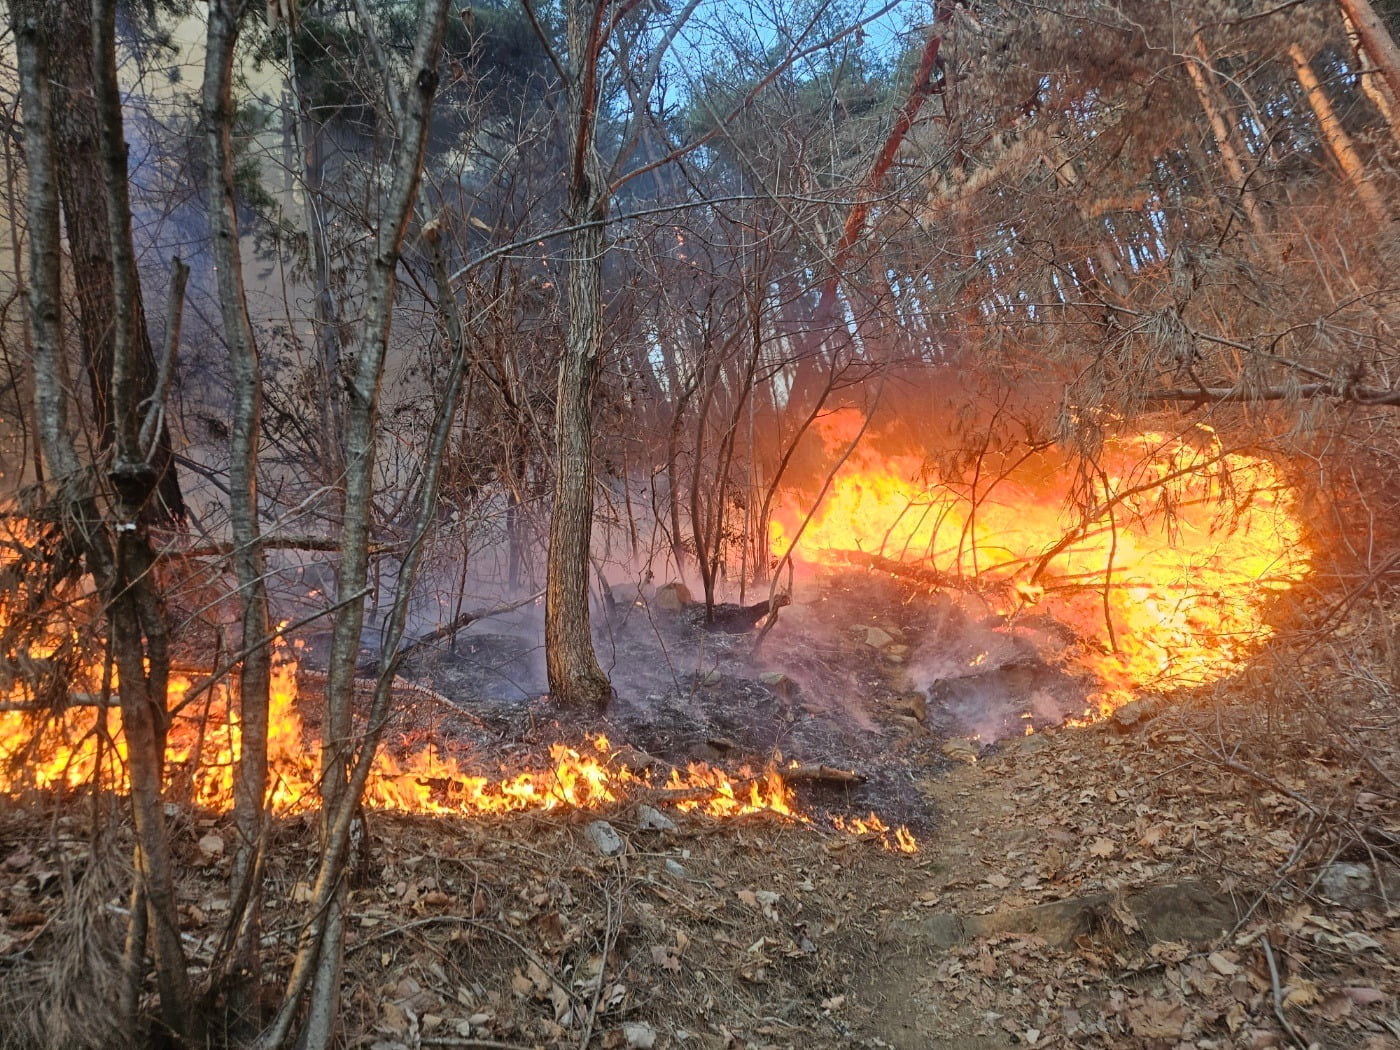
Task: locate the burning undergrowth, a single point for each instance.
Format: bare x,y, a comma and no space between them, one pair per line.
991,604
1158,561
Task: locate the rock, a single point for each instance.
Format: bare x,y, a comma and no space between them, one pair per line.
1350,885
960,749
631,758
942,930
672,597
913,704
1032,743
676,869
639,1035
212,846
877,637
1186,911
712,678
778,682
627,594
650,819
1183,911
1135,714
604,838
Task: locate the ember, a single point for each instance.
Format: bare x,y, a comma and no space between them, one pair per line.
1166,579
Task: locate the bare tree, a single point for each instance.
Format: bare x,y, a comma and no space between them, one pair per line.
109,526
243,960
345,767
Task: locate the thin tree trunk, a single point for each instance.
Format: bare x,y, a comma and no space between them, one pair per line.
250,782
1338,141
136,618
328,322
1214,109
317,965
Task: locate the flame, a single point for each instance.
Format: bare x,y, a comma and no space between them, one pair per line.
84,746
896,840
1166,584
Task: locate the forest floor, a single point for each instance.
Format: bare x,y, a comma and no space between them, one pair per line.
1216,870
1163,886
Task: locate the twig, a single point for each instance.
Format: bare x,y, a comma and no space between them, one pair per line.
457,1040
461,920
611,925
1278,994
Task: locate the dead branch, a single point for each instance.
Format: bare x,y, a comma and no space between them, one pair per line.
1203,395
1302,1044
458,623
222,549
928,576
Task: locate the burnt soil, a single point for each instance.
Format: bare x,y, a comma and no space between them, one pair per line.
814,690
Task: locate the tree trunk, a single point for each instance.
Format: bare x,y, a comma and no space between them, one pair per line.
77,135
250,782
136,616
1335,136
1213,107
1376,39
575,678
316,970
330,327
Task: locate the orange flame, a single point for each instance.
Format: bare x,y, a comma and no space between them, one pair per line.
84,745
896,840
1165,584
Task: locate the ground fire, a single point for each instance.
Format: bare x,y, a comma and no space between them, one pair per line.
83,746
1167,578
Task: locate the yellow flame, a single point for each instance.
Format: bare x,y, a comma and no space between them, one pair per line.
1166,586
84,745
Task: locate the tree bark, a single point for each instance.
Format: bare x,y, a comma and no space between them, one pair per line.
135,612
250,782
1335,136
575,678
77,127
1376,39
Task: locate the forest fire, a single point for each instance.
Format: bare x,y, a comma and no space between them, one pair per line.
84,746
1165,580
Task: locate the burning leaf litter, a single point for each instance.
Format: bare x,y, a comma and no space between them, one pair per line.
85,745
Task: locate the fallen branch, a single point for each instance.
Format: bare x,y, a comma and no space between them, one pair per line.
924,575
224,548
821,775
1302,1044
458,623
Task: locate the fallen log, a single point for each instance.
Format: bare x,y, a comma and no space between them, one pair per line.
821,775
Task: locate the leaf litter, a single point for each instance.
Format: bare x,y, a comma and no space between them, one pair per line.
1218,874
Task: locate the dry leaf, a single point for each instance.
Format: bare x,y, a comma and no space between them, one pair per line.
1158,1019
1222,964
1103,848
666,958
1301,992
1364,996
